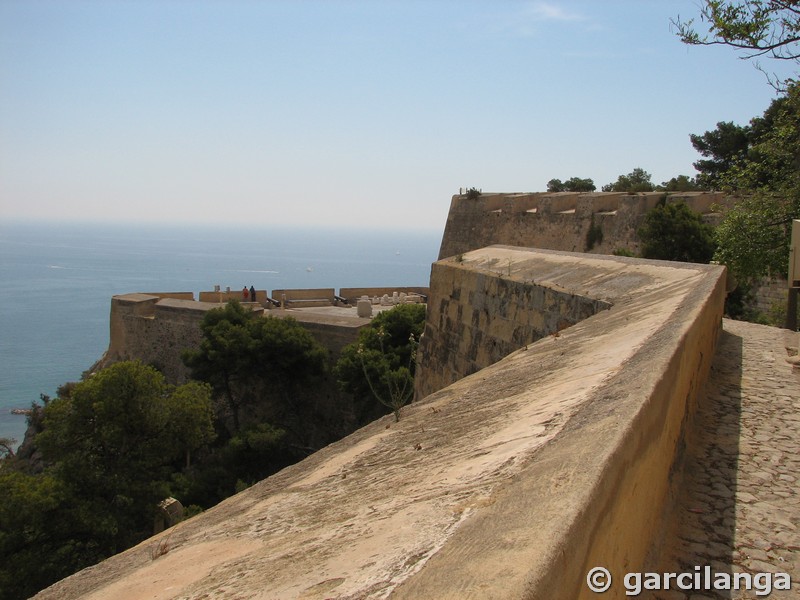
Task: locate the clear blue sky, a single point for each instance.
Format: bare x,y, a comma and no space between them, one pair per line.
337,112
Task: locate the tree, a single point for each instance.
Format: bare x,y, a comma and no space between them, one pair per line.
225,356
675,232
247,358
473,193
380,365
637,180
114,441
192,417
681,183
753,238
110,445
725,147
555,185
573,184
754,235
36,546
757,28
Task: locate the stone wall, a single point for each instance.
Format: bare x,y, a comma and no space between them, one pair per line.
595,494
771,293
477,317
155,330
559,221
353,294
509,483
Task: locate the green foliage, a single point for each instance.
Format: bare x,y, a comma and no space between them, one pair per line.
681,183
573,184
225,358
740,303
259,369
110,444
255,452
192,417
29,559
251,454
776,314
116,444
755,27
244,357
115,439
381,364
753,238
675,232
623,252
637,180
724,148
473,193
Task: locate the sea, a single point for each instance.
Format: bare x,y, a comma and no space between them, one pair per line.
57,279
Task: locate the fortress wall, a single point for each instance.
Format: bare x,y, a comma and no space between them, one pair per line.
475,319
651,405
596,493
353,294
154,330
174,295
307,297
305,294
333,336
557,221
123,308
509,483
157,328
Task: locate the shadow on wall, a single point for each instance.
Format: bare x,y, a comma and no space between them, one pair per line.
704,528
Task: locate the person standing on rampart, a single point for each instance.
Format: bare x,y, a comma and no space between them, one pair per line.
252,294
245,294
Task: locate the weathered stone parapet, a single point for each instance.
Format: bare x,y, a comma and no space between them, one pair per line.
558,221
595,494
509,483
154,328
480,313
353,294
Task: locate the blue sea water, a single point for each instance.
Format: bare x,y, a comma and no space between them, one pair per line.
56,283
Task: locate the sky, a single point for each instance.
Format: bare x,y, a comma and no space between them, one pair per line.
344,113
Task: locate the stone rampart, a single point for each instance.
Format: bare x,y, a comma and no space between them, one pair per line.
476,318
595,494
510,482
155,329
559,221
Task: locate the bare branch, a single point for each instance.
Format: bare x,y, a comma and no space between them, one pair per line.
7,447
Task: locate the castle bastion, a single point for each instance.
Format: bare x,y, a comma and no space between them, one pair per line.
509,477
